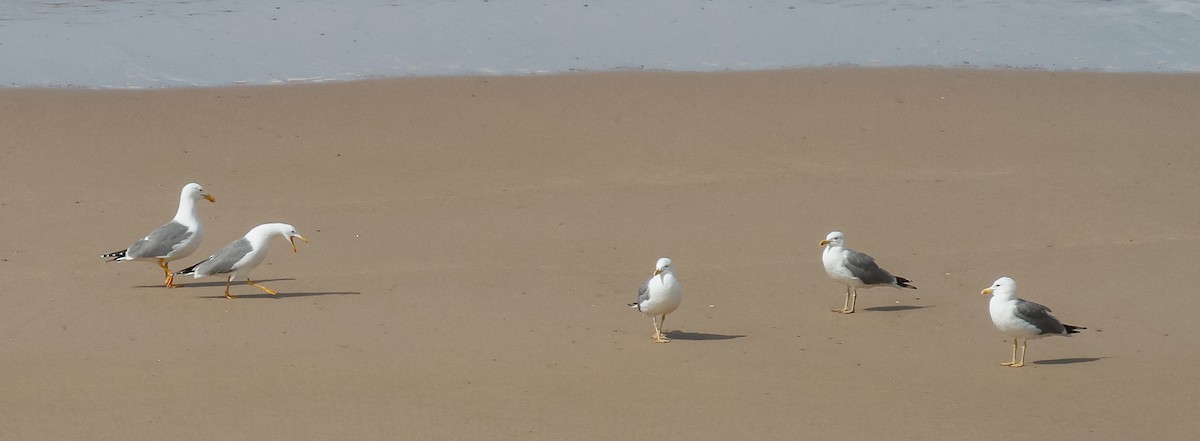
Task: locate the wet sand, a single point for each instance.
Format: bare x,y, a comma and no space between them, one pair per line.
474,242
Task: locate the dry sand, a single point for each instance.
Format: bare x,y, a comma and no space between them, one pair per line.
474,242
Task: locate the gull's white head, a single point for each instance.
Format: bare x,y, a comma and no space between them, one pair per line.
195,192
289,232
286,230
1004,286
834,238
664,265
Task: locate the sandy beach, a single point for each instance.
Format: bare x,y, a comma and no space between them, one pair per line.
474,242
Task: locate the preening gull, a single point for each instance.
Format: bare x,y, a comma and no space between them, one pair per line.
240,256
660,295
1022,318
175,240
855,270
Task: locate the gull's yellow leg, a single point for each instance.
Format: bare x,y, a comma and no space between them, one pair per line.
1014,355
268,290
170,283
658,335
227,294
846,308
662,324
1024,346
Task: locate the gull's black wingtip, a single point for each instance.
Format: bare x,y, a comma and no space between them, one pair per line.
114,255
189,270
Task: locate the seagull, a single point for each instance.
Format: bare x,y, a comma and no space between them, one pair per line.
242,255
1022,318
174,240
855,270
659,296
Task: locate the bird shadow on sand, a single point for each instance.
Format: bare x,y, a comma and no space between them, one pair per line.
699,336
895,308
209,284
283,295
1069,360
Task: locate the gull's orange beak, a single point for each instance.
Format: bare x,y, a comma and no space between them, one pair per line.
657,272
210,198
824,242
293,241
986,291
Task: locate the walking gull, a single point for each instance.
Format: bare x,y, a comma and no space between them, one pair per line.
855,270
1022,318
240,256
660,295
175,240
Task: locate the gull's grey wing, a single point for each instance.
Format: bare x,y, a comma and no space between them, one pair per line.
865,268
223,260
1039,316
160,242
643,295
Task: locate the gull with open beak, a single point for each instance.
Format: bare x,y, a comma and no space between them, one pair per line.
659,296
174,240
1021,318
240,256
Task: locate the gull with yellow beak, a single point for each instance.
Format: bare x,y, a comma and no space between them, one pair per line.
660,295
1021,318
240,256
855,270
174,240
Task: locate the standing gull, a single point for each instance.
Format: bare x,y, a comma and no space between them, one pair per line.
242,255
855,270
659,296
175,240
1021,318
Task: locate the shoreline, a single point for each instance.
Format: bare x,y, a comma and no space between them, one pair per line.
222,42
829,68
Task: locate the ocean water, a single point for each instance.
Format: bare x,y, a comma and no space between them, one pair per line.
156,43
